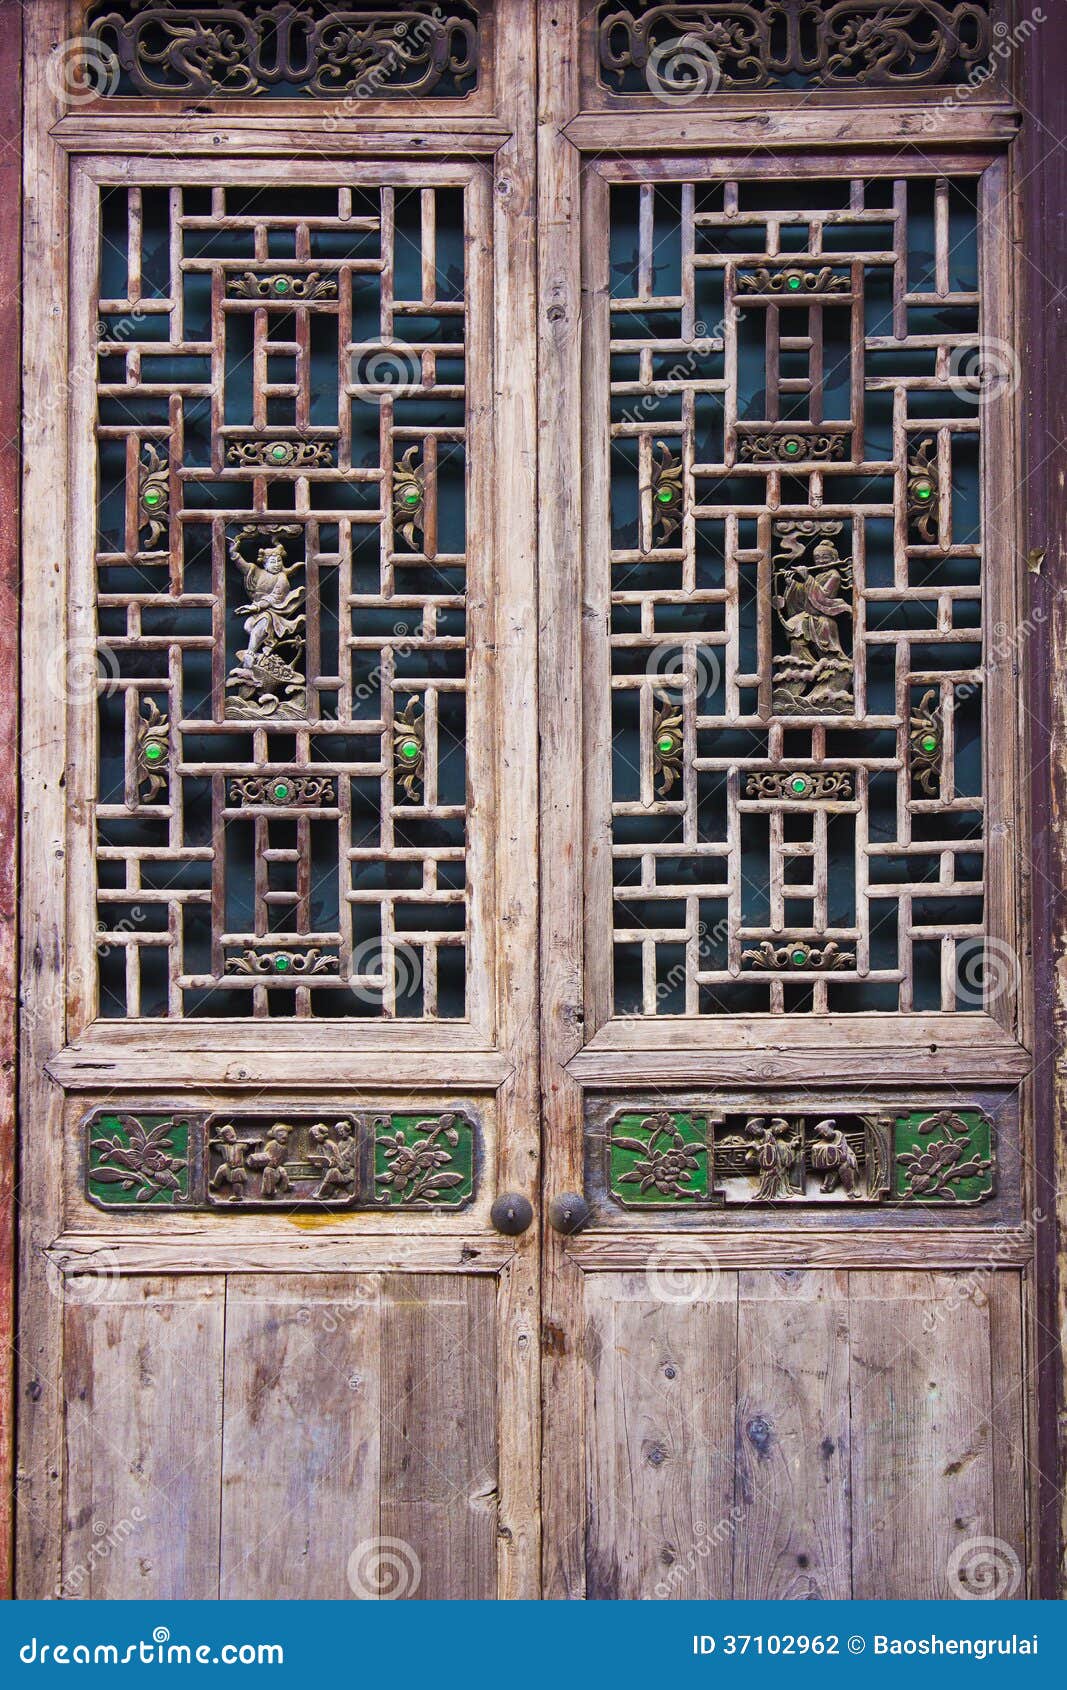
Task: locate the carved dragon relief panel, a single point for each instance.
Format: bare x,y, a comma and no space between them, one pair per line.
796,405
281,573
248,48
682,52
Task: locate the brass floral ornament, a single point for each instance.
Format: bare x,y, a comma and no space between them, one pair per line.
409,496
153,750
666,493
926,743
284,287
409,748
924,490
153,495
666,744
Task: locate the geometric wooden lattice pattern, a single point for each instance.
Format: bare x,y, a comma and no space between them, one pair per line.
280,566
796,597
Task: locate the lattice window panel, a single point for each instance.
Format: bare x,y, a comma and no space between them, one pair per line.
796,604
281,425
288,48
680,53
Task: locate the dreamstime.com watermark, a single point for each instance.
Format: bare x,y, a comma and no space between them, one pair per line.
158,1650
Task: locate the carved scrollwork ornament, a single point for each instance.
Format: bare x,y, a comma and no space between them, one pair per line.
153,495
924,490
800,785
409,748
283,288
793,281
153,750
281,964
799,956
667,744
281,454
282,791
409,496
666,493
926,743
791,448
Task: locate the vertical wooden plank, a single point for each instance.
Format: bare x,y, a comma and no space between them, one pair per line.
439,1441
300,1468
1042,401
661,1393
43,754
794,1538
513,470
560,527
10,185
1008,1386
144,1437
922,1467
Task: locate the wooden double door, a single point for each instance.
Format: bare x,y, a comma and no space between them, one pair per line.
524,1042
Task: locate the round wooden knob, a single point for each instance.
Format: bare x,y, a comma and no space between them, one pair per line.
568,1213
511,1213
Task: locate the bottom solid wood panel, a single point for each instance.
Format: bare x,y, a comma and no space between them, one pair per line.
320,1436
804,1434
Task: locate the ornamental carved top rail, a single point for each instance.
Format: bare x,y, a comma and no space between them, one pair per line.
682,52
288,47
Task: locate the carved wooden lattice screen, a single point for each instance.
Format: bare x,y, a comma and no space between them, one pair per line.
280,418
796,605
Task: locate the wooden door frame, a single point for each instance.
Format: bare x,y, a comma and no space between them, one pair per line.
1044,241
570,133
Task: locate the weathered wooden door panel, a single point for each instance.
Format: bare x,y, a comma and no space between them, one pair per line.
327,1437
786,1018
800,1434
280,950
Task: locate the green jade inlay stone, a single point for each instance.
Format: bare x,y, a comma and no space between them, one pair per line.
412,498
665,495
799,958
799,784
281,284
928,744
665,744
154,753
281,964
792,447
409,750
281,790
923,492
279,452
152,497
793,283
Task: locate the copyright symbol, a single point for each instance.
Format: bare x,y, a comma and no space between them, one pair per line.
856,1645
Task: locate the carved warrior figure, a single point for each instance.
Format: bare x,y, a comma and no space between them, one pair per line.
816,677
831,1155
264,682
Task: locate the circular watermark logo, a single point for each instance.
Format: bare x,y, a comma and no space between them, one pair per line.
88,1282
671,665
82,668
384,1569
81,70
682,69
984,372
387,369
374,965
984,1569
986,971
670,1282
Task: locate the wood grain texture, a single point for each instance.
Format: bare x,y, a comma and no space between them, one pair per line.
301,1432
800,1434
793,1540
662,1512
143,1384
439,1451
922,1458
10,274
